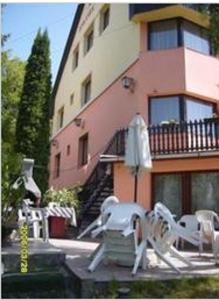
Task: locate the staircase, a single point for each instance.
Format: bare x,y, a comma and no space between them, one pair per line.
99,185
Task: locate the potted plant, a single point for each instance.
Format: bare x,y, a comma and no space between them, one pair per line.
64,198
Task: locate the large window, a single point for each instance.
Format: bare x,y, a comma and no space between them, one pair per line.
164,109
83,150
176,33
187,192
168,190
178,108
197,110
163,35
205,191
195,37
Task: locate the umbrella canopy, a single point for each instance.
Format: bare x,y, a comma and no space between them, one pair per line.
137,154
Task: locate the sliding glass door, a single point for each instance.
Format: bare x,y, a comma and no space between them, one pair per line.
187,192
168,190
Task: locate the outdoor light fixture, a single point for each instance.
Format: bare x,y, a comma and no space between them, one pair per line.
55,143
77,122
128,83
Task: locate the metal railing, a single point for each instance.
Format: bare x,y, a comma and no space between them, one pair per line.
174,138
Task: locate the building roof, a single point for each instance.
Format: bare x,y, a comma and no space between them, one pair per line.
66,51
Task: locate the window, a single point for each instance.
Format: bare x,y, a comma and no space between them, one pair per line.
86,90
68,150
164,109
197,110
83,150
60,117
168,190
104,18
71,99
88,40
57,165
179,108
163,35
205,192
186,192
173,33
75,58
195,37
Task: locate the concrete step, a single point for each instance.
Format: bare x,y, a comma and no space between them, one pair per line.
41,256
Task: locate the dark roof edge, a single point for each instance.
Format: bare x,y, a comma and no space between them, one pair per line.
66,50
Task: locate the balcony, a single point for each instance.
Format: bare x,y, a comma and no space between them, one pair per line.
182,139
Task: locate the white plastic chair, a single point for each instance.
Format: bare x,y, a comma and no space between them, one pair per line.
35,218
162,232
190,222
120,238
111,200
208,234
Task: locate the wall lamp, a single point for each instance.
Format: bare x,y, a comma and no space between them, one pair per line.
128,83
78,122
55,143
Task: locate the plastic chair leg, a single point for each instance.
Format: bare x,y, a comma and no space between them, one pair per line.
36,230
97,259
174,252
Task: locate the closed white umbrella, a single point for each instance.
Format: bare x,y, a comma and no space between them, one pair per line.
137,154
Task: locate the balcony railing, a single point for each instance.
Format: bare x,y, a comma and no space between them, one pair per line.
175,138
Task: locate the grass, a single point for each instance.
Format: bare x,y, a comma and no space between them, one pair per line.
205,287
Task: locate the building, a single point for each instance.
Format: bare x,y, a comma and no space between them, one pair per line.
155,59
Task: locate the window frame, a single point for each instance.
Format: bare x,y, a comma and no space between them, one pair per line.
75,61
186,187
57,165
103,11
68,150
83,150
72,98
60,118
180,37
182,105
88,46
87,80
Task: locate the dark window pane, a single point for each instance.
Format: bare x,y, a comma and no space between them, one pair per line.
195,37
164,109
87,91
105,18
163,35
168,190
83,150
57,165
89,40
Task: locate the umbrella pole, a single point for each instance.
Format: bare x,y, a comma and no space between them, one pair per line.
136,185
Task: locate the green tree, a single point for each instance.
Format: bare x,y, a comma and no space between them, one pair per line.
33,122
12,71
212,11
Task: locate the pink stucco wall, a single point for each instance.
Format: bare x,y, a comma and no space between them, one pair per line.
165,72
202,74
124,186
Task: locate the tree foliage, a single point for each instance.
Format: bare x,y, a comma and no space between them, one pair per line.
33,125
212,11
12,72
